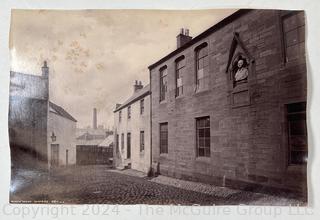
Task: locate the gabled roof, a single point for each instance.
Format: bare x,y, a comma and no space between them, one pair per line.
204,34
136,96
60,111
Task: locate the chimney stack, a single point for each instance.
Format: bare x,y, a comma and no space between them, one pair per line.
45,69
137,86
94,118
183,37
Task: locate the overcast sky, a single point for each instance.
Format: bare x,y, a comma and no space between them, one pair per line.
94,56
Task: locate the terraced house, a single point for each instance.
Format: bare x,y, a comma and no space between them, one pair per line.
229,105
132,131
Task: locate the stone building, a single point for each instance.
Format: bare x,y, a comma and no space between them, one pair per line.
229,105
41,133
132,130
61,137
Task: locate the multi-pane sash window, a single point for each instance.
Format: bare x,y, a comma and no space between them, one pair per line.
141,141
180,64
294,35
202,66
203,136
141,106
297,133
163,138
163,83
119,116
129,111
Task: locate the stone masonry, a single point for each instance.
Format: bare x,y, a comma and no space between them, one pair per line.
248,142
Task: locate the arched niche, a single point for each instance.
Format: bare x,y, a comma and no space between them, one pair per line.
240,73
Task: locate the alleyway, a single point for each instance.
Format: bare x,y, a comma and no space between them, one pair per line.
102,185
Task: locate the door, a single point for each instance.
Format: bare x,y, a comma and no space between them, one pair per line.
129,145
67,157
54,155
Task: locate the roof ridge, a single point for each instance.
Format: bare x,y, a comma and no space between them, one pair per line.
61,111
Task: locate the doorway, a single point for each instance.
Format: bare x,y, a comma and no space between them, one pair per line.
67,157
128,145
54,155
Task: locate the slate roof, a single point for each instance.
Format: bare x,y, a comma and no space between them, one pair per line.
204,34
136,96
107,141
60,111
93,142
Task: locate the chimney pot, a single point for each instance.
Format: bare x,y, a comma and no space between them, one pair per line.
187,32
183,37
137,86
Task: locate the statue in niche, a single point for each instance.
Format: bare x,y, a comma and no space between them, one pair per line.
240,71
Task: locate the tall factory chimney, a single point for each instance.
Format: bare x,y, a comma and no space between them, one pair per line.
94,118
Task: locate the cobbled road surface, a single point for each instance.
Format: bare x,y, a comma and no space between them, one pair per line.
101,185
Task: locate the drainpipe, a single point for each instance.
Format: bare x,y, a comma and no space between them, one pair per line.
151,171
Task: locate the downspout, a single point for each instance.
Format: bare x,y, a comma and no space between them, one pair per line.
151,171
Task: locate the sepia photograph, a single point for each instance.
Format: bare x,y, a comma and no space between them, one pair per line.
159,107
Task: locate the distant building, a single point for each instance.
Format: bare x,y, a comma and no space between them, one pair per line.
93,151
132,130
94,145
229,106
42,134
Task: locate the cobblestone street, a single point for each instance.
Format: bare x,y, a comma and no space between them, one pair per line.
102,185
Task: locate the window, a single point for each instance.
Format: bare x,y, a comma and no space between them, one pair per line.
180,64
129,112
297,133
141,106
163,138
294,35
202,66
119,116
203,136
141,141
122,141
163,83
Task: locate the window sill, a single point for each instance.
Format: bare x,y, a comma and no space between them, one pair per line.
163,102
163,154
295,168
203,159
201,92
180,97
